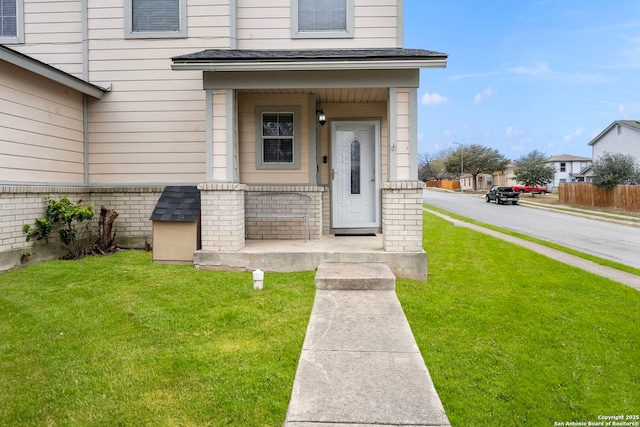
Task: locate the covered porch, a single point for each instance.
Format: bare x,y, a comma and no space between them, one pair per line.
303,146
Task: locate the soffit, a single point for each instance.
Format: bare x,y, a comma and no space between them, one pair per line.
329,95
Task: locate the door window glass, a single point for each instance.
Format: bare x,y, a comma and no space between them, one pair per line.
355,167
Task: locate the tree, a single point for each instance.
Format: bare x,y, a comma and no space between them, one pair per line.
431,166
477,160
532,169
613,169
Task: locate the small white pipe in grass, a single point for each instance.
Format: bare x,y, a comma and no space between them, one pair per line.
258,279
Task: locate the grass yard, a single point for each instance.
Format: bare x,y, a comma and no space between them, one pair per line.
512,345
118,340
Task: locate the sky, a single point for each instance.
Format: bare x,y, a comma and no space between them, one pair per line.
523,75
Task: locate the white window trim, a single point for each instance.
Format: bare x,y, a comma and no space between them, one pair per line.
130,34
297,133
297,34
19,38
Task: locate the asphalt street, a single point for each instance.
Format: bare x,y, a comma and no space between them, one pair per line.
612,241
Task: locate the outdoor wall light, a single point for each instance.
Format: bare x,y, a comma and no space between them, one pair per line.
322,119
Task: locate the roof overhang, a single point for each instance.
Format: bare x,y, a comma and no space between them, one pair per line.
309,60
45,70
631,124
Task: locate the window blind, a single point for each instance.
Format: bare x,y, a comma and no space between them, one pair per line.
8,18
155,15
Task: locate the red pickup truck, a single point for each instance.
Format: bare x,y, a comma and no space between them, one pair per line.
529,189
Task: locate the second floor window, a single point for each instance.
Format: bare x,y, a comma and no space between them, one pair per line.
322,18
563,167
156,18
11,21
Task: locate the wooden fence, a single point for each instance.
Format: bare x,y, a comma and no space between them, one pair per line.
626,197
444,183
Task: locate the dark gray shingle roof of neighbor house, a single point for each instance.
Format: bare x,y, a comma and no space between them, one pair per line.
178,203
243,55
568,158
630,123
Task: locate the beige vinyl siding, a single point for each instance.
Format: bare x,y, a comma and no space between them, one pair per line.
53,33
41,129
267,25
151,127
247,104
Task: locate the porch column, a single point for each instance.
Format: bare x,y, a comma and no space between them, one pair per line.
222,221
403,134
221,136
402,216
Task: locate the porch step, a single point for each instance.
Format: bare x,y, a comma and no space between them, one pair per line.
355,276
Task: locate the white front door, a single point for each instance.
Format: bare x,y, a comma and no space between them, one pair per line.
355,174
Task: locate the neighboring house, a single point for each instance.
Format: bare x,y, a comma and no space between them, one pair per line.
568,169
115,100
621,136
504,178
484,181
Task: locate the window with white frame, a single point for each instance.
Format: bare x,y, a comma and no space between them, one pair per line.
278,137
11,24
322,18
156,18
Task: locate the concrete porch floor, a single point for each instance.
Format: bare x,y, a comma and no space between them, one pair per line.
296,255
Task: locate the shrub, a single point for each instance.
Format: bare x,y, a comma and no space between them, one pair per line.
614,169
61,217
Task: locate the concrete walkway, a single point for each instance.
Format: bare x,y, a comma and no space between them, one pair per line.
360,365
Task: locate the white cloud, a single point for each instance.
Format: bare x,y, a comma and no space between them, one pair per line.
512,133
473,76
575,134
537,70
480,97
625,111
447,133
541,70
433,99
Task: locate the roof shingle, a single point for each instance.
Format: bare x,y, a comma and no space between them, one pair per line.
178,203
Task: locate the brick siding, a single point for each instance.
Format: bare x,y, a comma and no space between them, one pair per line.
402,216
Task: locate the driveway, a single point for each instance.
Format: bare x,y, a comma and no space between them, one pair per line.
615,242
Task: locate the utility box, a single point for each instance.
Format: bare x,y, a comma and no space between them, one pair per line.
176,225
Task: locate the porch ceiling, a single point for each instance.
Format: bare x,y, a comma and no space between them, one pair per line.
331,95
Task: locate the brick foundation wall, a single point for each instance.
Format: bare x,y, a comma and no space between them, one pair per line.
20,205
275,212
402,216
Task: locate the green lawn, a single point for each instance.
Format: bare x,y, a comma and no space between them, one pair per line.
515,343
118,340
